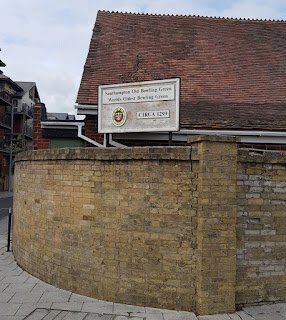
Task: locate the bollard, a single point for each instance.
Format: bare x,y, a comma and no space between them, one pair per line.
9,229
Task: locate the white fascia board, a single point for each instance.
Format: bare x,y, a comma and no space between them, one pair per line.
60,125
86,112
86,106
84,109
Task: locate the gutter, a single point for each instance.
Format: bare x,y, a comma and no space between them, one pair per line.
274,137
80,135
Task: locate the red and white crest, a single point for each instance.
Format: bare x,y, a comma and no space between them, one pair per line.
118,116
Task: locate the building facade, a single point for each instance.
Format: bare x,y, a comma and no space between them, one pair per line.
17,100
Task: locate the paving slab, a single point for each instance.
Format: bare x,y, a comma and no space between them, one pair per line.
6,297
95,316
23,297
154,316
3,286
183,315
27,308
127,318
156,310
10,271
15,279
118,308
215,317
68,306
244,316
75,316
42,287
98,307
179,316
12,267
79,298
60,296
39,314
12,317
234,316
55,314
269,311
5,254
9,309
15,287
33,279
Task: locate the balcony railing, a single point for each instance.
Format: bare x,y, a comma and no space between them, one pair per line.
28,131
6,96
24,108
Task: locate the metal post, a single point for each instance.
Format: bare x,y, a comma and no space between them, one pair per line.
170,138
11,151
9,229
107,140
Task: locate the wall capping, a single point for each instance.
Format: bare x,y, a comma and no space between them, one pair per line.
107,154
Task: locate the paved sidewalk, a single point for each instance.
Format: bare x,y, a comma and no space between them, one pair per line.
23,296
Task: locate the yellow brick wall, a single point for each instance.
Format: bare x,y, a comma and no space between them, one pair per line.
114,224
216,214
198,228
261,227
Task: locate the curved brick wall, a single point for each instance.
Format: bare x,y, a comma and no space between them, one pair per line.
111,224
152,226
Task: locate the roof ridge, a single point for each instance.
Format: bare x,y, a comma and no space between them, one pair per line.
191,16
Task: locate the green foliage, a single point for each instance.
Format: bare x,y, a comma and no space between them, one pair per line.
18,145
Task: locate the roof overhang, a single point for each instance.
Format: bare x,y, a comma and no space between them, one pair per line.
61,125
85,109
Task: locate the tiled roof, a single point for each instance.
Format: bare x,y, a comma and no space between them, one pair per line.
26,86
57,116
233,72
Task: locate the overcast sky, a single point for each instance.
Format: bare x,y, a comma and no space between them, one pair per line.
47,41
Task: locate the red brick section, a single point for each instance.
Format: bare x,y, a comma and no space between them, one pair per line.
38,141
232,71
91,130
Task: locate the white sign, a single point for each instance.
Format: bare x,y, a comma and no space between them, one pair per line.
139,107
